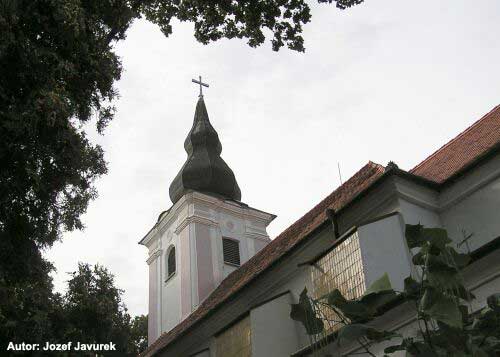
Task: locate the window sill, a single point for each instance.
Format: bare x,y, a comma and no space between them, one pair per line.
232,264
170,277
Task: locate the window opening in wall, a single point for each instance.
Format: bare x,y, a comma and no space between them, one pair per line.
171,263
231,251
341,268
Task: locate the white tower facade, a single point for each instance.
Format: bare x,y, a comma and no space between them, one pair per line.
196,228
207,233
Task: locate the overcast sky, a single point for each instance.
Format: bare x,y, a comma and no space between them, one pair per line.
386,80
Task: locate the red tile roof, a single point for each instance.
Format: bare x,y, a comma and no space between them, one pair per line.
453,157
273,251
463,150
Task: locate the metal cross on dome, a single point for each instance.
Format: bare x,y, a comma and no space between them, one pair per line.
201,85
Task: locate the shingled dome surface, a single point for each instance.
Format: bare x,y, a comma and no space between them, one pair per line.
204,169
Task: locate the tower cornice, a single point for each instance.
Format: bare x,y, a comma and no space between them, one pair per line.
237,209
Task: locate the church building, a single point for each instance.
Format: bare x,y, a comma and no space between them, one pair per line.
220,287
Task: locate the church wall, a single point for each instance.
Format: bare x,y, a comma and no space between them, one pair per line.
195,227
204,353
259,244
233,227
476,214
414,214
185,273
384,250
250,232
380,201
482,277
273,332
171,304
153,332
383,247
204,260
295,282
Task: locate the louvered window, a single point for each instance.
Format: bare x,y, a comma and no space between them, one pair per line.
231,251
171,262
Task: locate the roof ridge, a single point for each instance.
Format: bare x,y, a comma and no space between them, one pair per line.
454,139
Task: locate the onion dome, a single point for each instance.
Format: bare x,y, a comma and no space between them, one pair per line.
204,169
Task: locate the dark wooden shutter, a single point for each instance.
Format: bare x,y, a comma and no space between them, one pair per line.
171,262
231,251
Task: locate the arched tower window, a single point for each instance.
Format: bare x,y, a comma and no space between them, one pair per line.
170,263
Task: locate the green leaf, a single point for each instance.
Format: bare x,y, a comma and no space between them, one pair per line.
461,260
357,311
395,348
440,274
413,234
419,258
353,332
438,237
411,287
335,298
479,353
449,338
376,301
441,308
488,322
420,349
464,311
351,309
493,302
461,292
304,313
379,336
378,294
381,284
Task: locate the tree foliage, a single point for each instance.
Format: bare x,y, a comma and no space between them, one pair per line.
94,310
30,310
95,313
58,68
447,324
57,71
91,311
139,333
249,19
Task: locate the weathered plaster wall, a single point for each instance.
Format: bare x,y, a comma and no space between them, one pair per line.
153,332
195,226
170,294
477,213
384,250
273,332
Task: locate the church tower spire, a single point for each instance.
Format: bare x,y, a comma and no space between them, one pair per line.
204,236
204,169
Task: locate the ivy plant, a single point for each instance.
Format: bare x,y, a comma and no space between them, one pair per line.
447,323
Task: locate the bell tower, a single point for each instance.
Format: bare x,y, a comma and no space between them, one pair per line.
205,235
